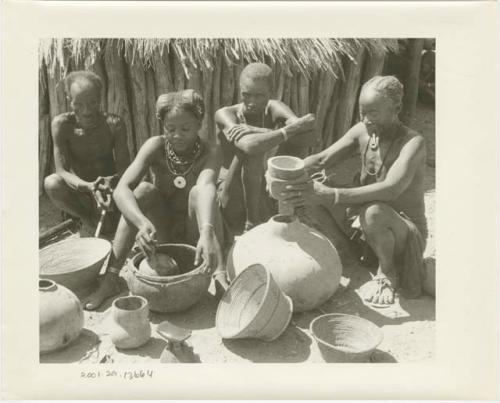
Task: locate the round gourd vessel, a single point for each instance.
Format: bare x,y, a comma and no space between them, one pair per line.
60,316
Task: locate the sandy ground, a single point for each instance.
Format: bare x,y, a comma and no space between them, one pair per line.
408,327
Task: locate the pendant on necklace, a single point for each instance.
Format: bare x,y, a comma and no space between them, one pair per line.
374,142
180,182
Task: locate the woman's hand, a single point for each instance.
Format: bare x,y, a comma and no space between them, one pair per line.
208,250
146,238
308,193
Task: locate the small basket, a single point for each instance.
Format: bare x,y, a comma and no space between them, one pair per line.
345,338
253,307
74,263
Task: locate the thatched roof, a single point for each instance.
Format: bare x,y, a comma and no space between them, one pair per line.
304,55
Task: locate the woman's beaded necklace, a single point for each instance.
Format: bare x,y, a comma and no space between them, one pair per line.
181,165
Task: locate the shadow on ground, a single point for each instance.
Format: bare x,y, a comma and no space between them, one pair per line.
293,346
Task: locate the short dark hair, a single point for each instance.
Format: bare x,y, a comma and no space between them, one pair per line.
82,75
258,71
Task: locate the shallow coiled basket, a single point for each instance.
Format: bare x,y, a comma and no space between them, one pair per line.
345,338
167,294
74,263
253,307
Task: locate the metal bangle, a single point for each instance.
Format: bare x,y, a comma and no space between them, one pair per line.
113,270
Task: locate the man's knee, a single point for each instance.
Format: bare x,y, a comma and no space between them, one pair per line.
146,194
375,217
53,183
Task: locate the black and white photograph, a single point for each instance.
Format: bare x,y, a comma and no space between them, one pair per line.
236,200
286,199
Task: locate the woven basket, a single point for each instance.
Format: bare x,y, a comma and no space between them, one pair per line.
253,307
167,294
345,338
74,263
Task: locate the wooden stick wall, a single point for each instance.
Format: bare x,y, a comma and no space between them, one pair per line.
130,90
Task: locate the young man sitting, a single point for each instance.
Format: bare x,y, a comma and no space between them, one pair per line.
256,129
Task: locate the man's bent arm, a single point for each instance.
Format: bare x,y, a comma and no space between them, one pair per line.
61,157
398,177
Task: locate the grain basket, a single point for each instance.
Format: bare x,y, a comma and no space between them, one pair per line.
345,338
253,307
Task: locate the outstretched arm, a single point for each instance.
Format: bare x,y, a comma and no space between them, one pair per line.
62,159
398,177
333,154
397,180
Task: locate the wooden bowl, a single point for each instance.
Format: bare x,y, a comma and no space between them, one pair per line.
345,338
74,263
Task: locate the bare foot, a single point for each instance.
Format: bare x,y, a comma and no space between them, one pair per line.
220,282
380,290
108,286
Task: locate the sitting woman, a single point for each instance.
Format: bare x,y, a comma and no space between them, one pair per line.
180,205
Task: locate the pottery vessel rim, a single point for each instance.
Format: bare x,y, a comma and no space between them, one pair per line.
68,242
143,301
376,342
264,296
46,284
138,257
272,162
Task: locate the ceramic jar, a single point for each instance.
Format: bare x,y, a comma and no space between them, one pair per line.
130,327
302,261
281,171
60,316
174,293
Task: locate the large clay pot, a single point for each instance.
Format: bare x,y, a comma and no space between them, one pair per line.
175,293
130,327
302,261
61,316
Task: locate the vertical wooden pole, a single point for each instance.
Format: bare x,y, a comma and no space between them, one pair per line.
98,68
303,95
44,134
153,122
415,47
227,84
162,72
348,95
117,90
